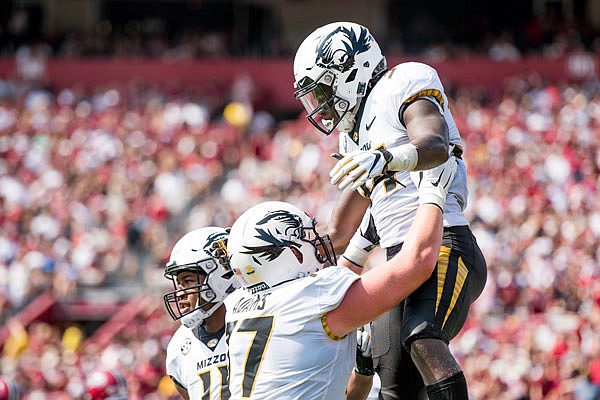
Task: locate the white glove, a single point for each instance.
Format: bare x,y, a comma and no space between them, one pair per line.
433,184
359,166
363,340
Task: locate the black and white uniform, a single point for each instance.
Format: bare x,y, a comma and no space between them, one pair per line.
197,361
439,308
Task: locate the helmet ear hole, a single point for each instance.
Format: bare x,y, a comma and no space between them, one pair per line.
362,88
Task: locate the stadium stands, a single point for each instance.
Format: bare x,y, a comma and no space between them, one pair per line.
97,180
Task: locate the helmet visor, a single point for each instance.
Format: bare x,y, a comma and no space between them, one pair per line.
322,105
205,266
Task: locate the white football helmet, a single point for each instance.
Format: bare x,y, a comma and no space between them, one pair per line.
195,252
332,71
275,242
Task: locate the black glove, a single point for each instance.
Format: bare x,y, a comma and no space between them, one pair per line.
364,361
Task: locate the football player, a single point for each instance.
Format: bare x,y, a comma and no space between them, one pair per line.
291,330
197,353
392,121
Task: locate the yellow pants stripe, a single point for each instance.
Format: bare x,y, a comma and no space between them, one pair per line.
461,276
442,272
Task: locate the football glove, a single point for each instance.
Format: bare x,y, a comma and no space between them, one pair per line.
433,184
357,167
363,339
364,361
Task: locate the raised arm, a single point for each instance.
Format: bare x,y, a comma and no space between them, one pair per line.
428,148
428,132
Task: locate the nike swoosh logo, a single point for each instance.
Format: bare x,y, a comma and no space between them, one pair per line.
436,183
377,156
370,124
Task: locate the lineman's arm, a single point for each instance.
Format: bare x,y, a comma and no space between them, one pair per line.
387,284
384,286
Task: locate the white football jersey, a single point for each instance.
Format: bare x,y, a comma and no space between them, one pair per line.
395,200
198,367
278,347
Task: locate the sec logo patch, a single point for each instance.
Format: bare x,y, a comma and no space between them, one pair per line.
186,346
212,343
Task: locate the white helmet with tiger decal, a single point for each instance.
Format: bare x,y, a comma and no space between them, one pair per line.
275,242
332,71
211,280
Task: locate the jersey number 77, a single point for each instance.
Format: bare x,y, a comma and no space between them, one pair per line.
260,329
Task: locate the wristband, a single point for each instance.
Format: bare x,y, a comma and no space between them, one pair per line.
405,158
356,255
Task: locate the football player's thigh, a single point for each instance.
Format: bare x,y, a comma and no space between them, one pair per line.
461,276
399,377
469,259
420,320
439,308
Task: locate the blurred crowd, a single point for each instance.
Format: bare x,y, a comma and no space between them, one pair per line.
534,163
553,33
96,186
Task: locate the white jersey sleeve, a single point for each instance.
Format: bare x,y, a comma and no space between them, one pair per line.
412,80
197,368
278,347
417,80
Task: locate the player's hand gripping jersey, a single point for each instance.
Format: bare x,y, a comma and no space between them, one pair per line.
199,367
272,360
394,196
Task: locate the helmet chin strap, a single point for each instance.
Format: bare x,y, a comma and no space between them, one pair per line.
194,318
347,123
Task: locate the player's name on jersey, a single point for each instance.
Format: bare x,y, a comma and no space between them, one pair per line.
256,302
216,359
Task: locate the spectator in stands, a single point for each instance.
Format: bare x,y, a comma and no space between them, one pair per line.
106,385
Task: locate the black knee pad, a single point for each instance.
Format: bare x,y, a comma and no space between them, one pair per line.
425,330
451,388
